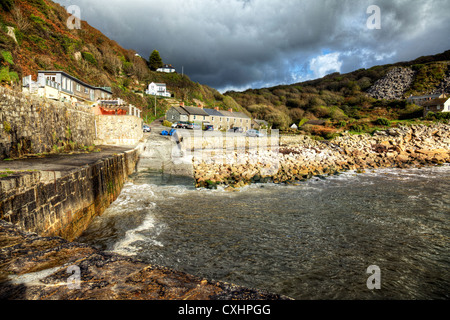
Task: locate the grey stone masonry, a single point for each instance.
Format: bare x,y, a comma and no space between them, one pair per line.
29,124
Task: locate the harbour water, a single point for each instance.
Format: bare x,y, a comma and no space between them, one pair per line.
314,240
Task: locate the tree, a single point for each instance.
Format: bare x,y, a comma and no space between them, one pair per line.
7,5
155,61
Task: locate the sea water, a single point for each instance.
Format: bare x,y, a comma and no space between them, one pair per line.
314,240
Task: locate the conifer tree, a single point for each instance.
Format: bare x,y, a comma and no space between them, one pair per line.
155,61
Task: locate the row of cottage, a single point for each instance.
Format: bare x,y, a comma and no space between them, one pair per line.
219,119
61,86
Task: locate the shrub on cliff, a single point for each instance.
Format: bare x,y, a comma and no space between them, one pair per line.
383,122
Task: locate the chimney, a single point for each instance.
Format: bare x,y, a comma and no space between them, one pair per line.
200,106
216,108
230,110
181,104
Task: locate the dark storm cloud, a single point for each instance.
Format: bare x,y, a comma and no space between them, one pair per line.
255,43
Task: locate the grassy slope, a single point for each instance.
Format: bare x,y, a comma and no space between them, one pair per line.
45,42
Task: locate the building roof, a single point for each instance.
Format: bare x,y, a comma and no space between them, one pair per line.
167,66
181,111
234,114
105,89
426,96
213,112
436,102
195,111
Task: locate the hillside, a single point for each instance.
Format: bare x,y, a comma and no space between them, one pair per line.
34,36
354,101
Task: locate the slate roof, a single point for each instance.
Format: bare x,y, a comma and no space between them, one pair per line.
181,111
213,112
435,102
195,111
233,114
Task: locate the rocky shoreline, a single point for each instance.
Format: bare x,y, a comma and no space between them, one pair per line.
39,268
300,158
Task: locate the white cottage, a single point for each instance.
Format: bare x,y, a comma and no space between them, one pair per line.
158,89
167,68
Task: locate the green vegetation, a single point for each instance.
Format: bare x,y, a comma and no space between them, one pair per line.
7,57
340,101
7,126
155,61
89,58
167,123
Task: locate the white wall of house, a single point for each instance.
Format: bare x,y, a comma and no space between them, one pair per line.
158,89
447,106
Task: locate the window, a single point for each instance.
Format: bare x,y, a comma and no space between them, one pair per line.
195,117
212,118
228,119
78,87
86,90
204,118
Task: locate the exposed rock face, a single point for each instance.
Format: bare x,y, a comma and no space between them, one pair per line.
36,268
301,158
444,87
394,85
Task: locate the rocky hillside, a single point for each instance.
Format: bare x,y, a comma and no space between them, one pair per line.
34,36
355,99
394,85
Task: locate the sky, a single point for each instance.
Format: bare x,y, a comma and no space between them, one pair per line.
242,44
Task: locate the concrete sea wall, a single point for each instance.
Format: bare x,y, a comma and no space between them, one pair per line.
53,203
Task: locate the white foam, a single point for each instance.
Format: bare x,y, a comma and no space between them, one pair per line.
127,246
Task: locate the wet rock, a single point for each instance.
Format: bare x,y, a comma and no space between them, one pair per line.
37,268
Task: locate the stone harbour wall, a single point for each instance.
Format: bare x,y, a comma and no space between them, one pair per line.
64,204
29,124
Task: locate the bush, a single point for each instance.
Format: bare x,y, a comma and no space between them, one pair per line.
7,57
167,123
438,116
362,127
89,57
383,122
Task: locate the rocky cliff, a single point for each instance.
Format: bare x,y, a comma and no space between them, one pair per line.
394,85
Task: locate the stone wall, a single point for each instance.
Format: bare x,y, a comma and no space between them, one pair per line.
29,124
118,130
56,204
